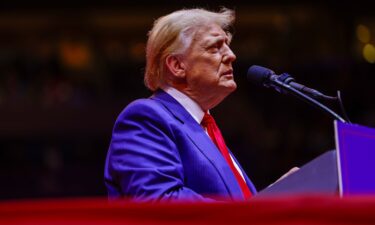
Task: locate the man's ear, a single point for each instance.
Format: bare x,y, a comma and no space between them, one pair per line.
175,66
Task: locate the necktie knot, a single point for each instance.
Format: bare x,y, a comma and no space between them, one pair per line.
207,120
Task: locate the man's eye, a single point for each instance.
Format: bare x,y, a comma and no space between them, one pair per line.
215,47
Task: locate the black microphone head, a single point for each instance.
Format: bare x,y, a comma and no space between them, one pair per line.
259,75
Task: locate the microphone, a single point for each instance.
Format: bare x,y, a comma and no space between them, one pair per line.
284,83
266,77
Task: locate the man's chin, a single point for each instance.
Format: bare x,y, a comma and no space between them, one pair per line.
231,86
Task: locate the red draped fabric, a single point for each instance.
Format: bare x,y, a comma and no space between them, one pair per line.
276,211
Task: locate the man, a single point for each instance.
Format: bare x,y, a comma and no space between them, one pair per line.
168,147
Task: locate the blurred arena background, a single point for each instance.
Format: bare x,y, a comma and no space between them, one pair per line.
68,68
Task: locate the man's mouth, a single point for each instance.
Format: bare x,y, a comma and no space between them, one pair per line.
228,72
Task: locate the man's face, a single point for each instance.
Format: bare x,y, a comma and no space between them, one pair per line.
208,62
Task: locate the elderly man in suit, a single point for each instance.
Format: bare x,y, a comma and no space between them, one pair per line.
168,146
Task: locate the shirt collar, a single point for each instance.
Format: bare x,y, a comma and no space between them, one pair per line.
189,104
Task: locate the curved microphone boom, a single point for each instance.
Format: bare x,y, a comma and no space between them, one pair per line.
284,83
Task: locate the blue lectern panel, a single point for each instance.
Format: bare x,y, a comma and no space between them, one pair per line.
355,146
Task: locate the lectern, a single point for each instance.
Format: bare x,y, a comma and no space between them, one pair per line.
348,170
320,176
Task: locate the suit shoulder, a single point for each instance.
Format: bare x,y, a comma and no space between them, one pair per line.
144,107
142,104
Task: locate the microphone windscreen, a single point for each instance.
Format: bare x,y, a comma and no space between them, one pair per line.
258,74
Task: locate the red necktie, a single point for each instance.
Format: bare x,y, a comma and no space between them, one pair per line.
213,131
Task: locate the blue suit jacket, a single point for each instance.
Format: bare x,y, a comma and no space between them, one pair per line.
159,152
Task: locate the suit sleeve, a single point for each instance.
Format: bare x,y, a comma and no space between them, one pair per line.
143,159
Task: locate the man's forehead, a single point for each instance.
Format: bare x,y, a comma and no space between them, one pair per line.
211,31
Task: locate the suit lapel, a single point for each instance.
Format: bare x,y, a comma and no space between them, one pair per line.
201,140
209,149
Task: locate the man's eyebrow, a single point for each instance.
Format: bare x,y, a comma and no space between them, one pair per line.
215,39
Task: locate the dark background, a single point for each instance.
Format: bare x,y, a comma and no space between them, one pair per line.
67,69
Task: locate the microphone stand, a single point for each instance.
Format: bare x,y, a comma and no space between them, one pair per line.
306,98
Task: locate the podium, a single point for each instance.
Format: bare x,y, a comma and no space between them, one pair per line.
348,170
319,176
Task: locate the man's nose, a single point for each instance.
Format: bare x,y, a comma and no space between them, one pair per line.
229,56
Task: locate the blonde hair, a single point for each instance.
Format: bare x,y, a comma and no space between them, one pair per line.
172,34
